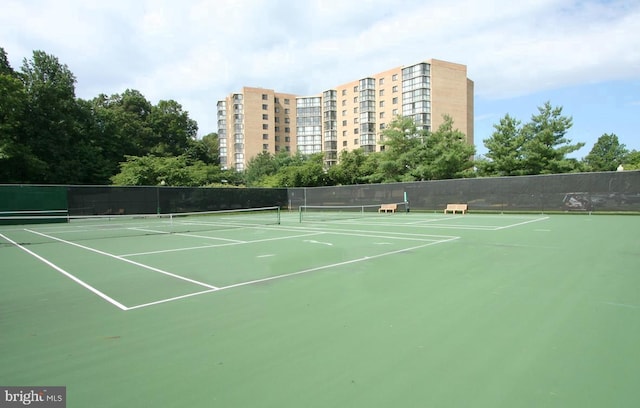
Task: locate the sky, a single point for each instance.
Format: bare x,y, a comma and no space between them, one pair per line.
581,55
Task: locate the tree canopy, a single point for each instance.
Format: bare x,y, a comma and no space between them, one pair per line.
48,135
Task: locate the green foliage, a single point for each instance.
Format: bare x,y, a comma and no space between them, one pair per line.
505,149
15,156
47,135
351,168
632,160
172,130
172,171
445,155
607,154
402,141
546,146
206,149
308,172
412,154
538,147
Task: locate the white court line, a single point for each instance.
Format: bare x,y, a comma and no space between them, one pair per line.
432,226
157,302
288,275
627,305
151,268
522,223
361,233
68,275
162,251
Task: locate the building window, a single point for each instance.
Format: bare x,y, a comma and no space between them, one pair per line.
287,111
355,110
344,123
395,101
265,116
277,138
265,136
277,110
344,92
265,106
355,141
265,146
381,81
287,130
277,119
265,97
287,148
277,148
356,131
276,100
394,89
344,113
287,120
382,126
286,101
355,99
381,115
355,88
344,102
277,128
344,134
355,120
344,143
381,92
265,126
394,77
287,139
394,112
382,104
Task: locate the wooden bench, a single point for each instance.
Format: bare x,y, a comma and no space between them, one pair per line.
388,208
455,208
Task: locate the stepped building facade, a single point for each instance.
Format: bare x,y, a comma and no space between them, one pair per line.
346,117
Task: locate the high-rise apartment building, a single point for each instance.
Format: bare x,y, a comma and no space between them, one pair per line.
347,117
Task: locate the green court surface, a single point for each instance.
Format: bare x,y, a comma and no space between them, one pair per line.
384,310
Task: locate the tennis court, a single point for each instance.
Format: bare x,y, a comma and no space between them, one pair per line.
279,309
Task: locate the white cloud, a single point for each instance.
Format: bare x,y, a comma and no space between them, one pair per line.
198,51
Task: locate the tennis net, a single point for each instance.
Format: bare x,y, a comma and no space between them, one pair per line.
39,228
341,212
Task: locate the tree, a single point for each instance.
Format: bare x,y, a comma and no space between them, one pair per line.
350,169
401,139
15,156
52,133
504,149
206,149
607,154
151,170
545,145
260,167
632,160
308,173
172,129
445,155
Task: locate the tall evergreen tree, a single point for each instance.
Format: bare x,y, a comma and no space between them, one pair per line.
607,154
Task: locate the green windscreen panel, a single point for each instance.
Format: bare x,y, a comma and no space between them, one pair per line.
16,198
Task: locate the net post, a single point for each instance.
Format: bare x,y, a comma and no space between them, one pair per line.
278,214
300,213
